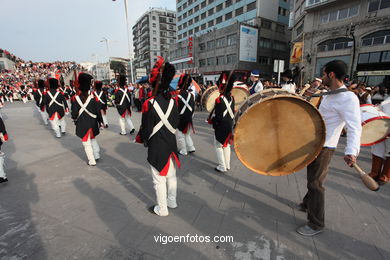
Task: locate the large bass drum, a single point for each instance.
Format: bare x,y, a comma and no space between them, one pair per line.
375,125
239,92
278,133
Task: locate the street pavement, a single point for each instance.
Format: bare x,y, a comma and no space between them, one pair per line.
56,207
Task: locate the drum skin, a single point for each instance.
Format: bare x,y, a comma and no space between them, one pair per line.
375,125
278,135
240,95
209,97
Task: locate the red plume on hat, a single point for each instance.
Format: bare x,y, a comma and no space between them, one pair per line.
157,70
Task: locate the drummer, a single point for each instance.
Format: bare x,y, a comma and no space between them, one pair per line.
339,108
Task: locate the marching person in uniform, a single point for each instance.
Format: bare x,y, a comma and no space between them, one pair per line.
186,111
101,98
223,121
38,97
23,94
160,118
257,86
56,107
123,105
380,167
3,138
87,117
339,108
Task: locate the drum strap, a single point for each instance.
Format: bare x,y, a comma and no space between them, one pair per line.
186,103
228,107
83,107
54,99
163,117
333,92
123,97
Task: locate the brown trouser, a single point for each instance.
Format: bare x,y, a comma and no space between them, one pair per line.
314,199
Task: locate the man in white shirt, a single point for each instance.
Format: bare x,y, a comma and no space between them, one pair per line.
257,86
339,108
288,84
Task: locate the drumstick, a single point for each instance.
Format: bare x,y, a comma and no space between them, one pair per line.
367,180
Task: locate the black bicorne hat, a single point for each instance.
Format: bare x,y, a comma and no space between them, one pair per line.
84,80
184,81
53,83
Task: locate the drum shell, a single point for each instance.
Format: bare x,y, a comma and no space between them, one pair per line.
375,125
240,94
278,133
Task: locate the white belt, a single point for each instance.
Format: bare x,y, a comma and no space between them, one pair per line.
186,103
228,108
54,99
83,107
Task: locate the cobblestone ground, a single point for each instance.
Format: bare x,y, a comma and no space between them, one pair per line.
57,207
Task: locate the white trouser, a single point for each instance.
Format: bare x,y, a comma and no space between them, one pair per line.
104,116
43,115
184,142
11,99
382,149
2,173
223,156
122,123
92,150
55,124
24,99
63,125
163,185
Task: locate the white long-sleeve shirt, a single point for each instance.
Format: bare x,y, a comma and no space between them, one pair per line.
339,110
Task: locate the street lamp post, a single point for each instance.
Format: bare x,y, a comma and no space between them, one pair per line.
128,39
108,56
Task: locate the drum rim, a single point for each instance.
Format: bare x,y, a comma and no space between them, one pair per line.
202,100
291,95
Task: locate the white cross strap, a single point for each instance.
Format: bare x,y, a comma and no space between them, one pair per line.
163,117
99,97
228,107
54,99
123,97
83,107
40,96
186,104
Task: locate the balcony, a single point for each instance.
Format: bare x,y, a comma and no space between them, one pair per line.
312,5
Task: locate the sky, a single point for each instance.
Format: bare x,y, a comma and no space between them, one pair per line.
70,30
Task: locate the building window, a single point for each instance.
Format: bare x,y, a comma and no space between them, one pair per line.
220,60
211,11
202,16
210,61
335,44
202,63
340,14
196,8
196,29
196,19
153,17
300,29
211,23
266,24
190,22
210,45
231,40
374,6
219,7
203,4
281,46
218,20
251,6
231,59
228,3
154,32
211,1
265,43
239,11
190,32
220,42
264,60
377,38
203,26
280,28
154,25
228,16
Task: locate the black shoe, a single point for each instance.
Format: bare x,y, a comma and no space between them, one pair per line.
132,131
191,151
122,134
3,180
301,207
63,133
151,210
217,169
106,126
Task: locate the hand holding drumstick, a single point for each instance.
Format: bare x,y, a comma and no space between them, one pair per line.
367,180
